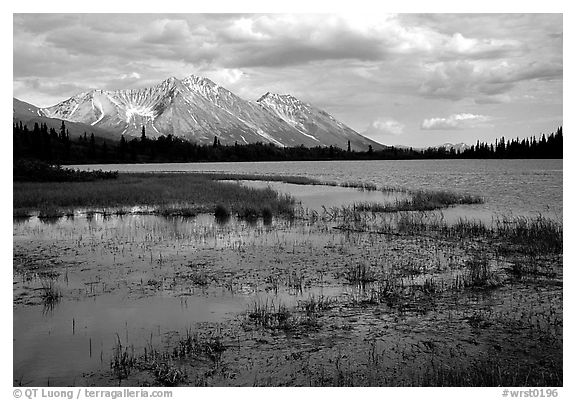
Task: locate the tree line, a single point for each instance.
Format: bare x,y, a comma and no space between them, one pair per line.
50,145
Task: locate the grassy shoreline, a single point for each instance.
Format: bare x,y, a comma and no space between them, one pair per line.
168,194
191,193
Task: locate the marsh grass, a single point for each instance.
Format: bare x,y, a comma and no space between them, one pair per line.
22,214
531,266
359,274
50,213
198,275
184,210
170,366
167,374
267,315
173,194
532,236
50,294
485,372
479,274
295,281
296,180
537,234
199,278
315,304
39,171
364,186
192,344
122,361
221,213
419,292
420,200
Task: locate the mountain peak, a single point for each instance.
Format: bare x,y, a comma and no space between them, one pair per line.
196,78
203,86
264,96
270,97
197,109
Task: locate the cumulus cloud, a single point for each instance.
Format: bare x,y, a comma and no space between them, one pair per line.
356,66
132,75
383,129
167,31
455,121
225,76
481,79
387,126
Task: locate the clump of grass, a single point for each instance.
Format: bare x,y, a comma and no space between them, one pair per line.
221,212
210,347
167,374
50,294
479,274
314,305
388,290
198,276
467,228
359,274
268,316
295,281
267,215
359,185
122,362
249,213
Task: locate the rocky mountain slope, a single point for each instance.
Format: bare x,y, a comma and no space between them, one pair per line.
198,109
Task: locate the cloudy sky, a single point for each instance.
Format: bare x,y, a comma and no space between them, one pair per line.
406,79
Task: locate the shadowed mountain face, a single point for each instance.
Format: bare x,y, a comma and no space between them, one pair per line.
29,114
197,109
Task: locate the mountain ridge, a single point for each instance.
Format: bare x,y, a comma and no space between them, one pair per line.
198,109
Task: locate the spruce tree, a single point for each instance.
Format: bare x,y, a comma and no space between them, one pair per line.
92,148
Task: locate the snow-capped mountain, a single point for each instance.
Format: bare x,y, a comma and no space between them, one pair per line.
313,123
24,109
458,147
29,114
198,109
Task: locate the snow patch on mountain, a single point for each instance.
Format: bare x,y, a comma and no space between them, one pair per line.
198,109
